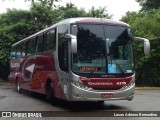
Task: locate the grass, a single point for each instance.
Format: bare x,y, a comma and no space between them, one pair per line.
2,81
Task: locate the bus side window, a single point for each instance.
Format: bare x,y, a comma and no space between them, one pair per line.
23,48
40,44
31,46
63,55
13,52
62,48
50,41
19,50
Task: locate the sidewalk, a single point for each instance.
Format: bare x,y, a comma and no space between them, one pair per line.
147,88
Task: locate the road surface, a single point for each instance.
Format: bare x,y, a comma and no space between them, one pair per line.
144,100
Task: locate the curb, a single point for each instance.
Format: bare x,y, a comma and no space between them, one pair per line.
147,88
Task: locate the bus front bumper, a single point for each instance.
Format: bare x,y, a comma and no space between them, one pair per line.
78,94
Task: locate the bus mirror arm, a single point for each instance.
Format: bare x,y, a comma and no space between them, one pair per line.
146,44
73,40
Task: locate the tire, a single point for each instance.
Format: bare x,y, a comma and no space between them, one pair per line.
18,89
100,102
50,93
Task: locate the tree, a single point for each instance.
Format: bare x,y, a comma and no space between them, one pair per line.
18,24
148,5
48,3
146,25
14,25
100,12
68,11
42,16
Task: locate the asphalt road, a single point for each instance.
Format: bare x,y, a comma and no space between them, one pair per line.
144,100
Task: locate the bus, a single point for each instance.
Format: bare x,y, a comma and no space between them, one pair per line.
77,59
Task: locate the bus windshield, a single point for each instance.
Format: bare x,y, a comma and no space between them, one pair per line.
102,49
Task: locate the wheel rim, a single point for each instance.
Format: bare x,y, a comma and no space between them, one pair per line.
18,86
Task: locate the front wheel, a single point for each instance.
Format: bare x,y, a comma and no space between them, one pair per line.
100,102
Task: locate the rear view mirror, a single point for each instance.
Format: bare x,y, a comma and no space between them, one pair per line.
146,44
73,39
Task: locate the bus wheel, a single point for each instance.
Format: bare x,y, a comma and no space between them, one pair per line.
100,102
49,93
18,89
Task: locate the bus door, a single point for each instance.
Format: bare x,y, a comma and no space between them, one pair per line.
63,57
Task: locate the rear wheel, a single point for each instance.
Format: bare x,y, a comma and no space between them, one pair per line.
50,93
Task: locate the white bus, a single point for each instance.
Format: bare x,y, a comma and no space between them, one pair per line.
78,59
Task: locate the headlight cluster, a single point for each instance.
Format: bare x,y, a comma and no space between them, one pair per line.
128,85
80,85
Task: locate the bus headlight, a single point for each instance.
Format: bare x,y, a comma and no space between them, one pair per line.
128,86
80,85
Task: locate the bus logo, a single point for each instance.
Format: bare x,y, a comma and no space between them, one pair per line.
100,83
30,68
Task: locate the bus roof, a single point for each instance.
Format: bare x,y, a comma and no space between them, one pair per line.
85,20
91,20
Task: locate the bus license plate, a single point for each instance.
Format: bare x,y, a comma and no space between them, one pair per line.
107,95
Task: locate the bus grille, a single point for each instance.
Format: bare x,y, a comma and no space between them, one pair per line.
107,88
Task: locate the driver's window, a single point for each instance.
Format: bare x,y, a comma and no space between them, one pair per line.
63,47
63,55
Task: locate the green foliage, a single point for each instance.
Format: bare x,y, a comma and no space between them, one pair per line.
42,17
18,24
68,11
146,25
149,5
13,26
148,71
99,13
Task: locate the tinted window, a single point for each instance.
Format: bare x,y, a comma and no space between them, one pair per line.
31,46
118,40
63,55
19,50
62,48
94,42
62,30
40,43
91,48
23,48
13,52
50,40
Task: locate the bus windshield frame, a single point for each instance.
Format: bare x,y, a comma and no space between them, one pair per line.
102,49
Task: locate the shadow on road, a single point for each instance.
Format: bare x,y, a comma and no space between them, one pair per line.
89,106
72,106
77,106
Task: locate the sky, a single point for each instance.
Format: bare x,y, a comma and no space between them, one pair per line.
117,8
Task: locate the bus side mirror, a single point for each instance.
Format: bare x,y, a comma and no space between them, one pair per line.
146,44
73,40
